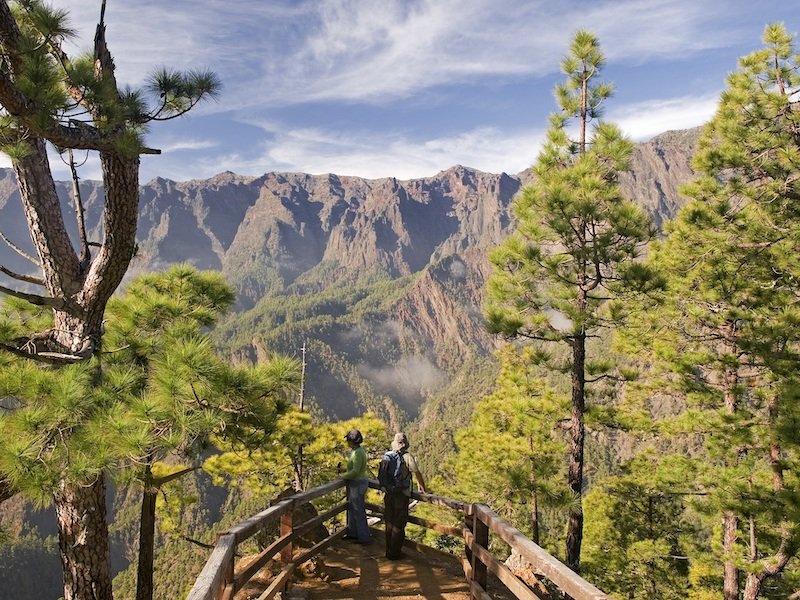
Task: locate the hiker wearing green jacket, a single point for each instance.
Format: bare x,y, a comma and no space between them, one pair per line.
356,478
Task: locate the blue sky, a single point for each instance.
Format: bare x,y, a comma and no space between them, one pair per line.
406,88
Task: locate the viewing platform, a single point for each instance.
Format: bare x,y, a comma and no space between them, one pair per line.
333,568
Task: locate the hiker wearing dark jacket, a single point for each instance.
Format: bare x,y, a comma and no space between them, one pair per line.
395,502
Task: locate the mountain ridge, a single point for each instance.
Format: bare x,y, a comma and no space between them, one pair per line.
416,248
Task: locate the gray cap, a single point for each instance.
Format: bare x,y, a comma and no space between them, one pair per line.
400,442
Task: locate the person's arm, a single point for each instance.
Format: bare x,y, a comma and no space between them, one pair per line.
414,468
421,482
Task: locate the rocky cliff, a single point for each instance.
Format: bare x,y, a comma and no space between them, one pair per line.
383,278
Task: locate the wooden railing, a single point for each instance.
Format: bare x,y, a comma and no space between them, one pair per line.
220,581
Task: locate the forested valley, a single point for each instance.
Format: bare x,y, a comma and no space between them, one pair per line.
603,348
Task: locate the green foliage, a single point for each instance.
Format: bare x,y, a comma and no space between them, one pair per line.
575,247
268,470
576,236
634,531
66,91
723,335
512,450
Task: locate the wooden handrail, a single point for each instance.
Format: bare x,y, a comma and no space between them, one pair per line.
216,580
544,564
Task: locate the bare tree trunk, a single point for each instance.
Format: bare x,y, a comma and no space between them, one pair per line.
730,522
535,517
83,540
752,587
147,535
576,443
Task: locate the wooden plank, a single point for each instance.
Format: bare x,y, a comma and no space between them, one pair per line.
319,547
477,591
375,508
458,505
319,491
543,563
278,583
228,592
480,541
433,525
263,558
287,531
212,577
504,574
251,526
304,528
465,564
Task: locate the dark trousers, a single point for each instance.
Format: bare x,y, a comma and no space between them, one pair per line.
395,513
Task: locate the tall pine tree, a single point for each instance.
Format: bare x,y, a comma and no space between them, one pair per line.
575,244
728,330
76,103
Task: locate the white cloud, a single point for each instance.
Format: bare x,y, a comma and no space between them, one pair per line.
186,144
395,155
378,50
643,120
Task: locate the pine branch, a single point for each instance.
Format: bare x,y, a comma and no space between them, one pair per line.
25,278
50,358
159,481
86,255
20,251
56,303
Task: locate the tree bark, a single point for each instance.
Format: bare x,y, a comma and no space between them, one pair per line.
6,491
576,443
83,540
535,518
147,536
730,585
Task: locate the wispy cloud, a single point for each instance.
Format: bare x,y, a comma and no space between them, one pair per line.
643,120
187,144
395,155
379,50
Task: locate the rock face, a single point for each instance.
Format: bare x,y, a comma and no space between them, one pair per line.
298,236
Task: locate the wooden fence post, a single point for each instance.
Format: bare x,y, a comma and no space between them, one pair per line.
480,532
287,552
286,529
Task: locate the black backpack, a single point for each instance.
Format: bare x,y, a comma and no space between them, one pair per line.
393,472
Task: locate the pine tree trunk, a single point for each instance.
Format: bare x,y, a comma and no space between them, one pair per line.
730,585
730,522
576,442
535,518
752,587
147,538
83,540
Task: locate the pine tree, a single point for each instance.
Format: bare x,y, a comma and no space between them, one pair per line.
269,470
510,456
727,330
158,391
634,530
574,247
75,103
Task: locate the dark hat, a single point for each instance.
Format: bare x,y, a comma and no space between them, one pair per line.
354,435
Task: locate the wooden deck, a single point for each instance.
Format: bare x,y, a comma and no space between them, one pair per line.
349,571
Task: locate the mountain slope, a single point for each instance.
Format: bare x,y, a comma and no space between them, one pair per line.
386,276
